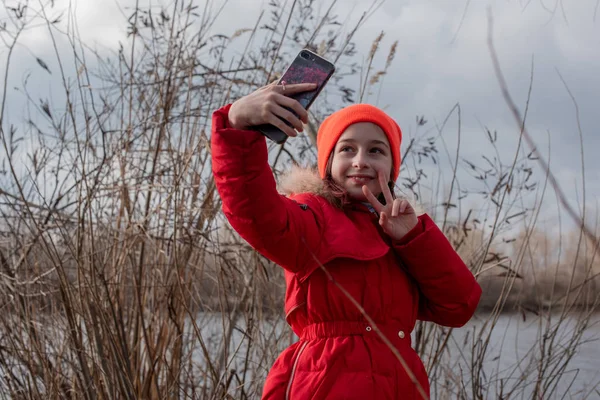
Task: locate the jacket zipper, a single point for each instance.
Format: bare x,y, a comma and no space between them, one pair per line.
289,388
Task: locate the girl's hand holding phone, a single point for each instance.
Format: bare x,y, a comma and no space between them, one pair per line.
397,217
267,105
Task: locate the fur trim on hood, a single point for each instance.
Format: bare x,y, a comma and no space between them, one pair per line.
307,180
304,180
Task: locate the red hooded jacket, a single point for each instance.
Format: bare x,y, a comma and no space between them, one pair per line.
340,355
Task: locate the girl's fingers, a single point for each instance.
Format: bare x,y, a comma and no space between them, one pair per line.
407,208
403,206
274,120
372,199
396,206
389,199
383,219
295,88
288,116
293,105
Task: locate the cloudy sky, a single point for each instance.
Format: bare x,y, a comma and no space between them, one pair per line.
442,59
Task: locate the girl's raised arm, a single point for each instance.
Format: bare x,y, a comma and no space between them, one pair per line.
281,229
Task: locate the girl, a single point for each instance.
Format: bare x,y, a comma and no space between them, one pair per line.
342,239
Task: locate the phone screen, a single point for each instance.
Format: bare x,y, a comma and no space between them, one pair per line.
305,71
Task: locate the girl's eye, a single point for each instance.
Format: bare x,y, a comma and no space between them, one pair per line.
346,148
377,150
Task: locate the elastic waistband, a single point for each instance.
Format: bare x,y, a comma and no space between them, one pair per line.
392,330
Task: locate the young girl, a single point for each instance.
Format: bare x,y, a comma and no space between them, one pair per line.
340,229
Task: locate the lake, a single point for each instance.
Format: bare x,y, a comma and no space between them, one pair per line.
516,347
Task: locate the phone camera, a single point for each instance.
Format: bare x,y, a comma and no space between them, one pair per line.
304,55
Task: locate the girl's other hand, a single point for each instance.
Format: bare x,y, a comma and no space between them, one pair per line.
267,104
397,217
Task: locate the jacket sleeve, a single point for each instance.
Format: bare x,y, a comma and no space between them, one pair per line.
280,228
450,293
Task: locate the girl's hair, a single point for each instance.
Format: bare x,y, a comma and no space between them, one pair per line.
340,195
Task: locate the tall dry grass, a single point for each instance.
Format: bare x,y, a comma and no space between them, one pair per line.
120,278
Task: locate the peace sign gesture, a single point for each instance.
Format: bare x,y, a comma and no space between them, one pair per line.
397,217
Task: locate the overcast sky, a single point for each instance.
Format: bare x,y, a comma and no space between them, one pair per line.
442,59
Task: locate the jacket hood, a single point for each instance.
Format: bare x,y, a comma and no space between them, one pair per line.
304,180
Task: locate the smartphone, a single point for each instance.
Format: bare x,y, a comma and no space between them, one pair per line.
307,67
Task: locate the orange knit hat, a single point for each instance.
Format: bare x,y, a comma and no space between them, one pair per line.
334,126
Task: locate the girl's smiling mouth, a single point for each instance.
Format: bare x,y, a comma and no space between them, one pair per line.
360,178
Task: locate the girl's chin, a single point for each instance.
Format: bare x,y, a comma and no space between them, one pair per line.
357,196
356,193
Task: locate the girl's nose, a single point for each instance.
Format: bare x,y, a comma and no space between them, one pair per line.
360,160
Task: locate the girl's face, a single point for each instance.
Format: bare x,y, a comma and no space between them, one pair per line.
361,152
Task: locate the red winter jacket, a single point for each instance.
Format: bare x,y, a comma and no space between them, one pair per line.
339,354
